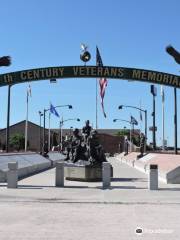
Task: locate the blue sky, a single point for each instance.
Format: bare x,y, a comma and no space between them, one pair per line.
128,33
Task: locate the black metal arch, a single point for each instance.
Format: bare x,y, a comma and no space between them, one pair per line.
109,72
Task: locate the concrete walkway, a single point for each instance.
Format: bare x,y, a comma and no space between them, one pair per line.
38,210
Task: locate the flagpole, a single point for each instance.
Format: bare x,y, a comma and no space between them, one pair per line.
61,134
162,95
130,138
140,119
26,124
8,118
163,120
49,133
96,103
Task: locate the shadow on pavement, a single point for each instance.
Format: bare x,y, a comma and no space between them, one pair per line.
169,189
33,186
127,187
19,187
46,186
128,180
122,187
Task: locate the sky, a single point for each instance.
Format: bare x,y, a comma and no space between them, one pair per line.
129,33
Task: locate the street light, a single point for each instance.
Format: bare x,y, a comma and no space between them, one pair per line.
40,139
5,61
141,110
122,120
69,119
176,55
154,93
8,118
118,119
60,128
53,80
44,125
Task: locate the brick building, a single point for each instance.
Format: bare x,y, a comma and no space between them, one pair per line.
33,134
111,143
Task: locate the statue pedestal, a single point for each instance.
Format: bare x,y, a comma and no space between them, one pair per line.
84,173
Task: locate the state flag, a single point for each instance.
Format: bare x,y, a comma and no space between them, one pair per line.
53,110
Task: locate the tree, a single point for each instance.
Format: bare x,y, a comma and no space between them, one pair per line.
17,141
126,132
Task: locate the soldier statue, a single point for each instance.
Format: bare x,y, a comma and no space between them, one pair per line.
96,152
85,147
86,130
68,147
76,148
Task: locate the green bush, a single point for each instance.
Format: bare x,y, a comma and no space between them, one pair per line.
126,132
17,141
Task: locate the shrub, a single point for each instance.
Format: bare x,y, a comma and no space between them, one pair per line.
17,141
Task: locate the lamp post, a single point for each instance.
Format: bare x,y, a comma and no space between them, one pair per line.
154,93
5,61
145,113
44,114
60,129
176,55
175,121
40,139
122,120
8,118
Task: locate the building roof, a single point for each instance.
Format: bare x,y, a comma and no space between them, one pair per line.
21,123
109,131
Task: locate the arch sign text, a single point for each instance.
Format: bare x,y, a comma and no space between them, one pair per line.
109,72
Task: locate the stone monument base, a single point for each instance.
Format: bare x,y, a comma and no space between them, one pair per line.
83,173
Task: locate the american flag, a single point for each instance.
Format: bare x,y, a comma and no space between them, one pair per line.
102,81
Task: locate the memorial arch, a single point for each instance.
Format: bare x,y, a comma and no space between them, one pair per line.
110,72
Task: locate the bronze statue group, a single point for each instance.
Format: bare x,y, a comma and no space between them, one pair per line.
84,146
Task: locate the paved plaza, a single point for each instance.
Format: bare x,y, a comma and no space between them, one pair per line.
81,210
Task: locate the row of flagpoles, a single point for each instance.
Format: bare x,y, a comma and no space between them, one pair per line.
52,110
102,86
